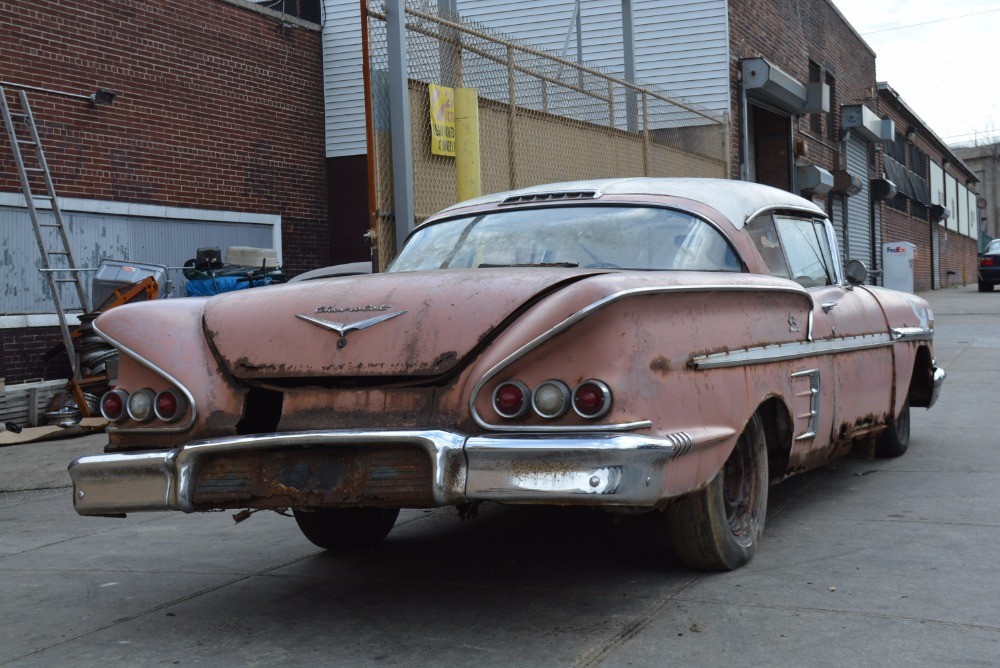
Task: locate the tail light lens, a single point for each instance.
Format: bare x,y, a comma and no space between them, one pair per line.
113,405
592,399
986,262
169,405
551,399
510,399
140,405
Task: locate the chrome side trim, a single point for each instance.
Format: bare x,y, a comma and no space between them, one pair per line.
814,403
149,365
593,469
812,213
577,317
790,351
913,333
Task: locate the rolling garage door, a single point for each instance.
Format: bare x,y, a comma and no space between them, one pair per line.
859,238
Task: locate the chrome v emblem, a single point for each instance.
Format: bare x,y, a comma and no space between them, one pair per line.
343,329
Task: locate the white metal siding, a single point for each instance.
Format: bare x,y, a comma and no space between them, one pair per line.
95,236
859,238
951,196
680,47
969,208
343,79
937,184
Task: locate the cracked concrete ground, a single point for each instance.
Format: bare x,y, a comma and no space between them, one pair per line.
864,563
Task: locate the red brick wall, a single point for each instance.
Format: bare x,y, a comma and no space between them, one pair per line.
23,351
218,107
899,226
789,34
959,259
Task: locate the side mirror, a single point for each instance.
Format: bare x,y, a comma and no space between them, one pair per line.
856,272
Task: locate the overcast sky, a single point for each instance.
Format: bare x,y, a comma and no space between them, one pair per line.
943,58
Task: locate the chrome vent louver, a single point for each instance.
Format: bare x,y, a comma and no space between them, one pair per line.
551,197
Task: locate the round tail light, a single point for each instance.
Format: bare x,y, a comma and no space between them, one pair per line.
113,405
169,405
140,405
510,399
551,399
592,399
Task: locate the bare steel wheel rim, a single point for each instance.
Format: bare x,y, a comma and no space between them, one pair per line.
739,488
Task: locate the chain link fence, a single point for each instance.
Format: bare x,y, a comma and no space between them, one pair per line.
542,118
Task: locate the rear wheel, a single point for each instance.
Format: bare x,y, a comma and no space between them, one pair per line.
985,287
346,528
719,528
896,439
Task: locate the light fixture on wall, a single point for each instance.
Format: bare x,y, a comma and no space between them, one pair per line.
103,96
911,134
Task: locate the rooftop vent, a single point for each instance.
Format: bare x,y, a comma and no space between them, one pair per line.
550,197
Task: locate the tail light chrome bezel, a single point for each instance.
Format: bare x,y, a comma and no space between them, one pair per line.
123,396
564,399
179,401
525,395
607,399
136,396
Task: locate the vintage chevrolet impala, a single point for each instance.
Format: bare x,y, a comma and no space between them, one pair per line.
665,345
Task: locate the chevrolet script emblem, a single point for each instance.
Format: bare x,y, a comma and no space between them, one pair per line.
342,328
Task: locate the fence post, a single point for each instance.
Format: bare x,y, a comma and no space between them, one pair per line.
511,111
399,120
645,135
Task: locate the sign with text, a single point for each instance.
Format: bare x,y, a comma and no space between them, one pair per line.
442,106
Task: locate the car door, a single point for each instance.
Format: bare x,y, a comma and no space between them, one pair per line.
849,327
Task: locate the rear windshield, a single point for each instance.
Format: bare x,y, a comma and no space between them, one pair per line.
611,237
994,247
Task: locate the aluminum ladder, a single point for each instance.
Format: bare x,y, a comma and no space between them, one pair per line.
54,247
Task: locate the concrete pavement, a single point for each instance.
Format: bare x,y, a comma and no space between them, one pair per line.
864,563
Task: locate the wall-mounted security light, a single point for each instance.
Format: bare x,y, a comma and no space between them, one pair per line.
939,213
103,96
911,134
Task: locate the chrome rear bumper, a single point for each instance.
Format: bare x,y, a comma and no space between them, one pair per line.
592,469
937,382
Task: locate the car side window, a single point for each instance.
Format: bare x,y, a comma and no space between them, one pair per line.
807,250
762,231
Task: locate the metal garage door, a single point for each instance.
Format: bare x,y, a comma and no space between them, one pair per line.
859,237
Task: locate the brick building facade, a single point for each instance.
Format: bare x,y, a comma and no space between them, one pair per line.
811,42
219,108
947,247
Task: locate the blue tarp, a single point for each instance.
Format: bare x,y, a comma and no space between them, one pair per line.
205,287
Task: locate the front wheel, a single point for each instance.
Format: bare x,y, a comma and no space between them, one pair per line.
346,528
719,528
896,439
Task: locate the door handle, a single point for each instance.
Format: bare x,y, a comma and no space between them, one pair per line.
827,306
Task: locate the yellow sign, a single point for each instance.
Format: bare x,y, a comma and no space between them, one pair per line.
442,120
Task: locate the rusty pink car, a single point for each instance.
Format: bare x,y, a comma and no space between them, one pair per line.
662,345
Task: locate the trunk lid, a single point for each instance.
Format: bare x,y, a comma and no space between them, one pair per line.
405,324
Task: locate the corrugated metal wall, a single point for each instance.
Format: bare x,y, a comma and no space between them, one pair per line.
859,236
166,241
839,220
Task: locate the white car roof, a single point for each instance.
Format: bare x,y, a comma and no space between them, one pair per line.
736,200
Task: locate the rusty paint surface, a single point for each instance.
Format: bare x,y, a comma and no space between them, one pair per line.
443,316
392,477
